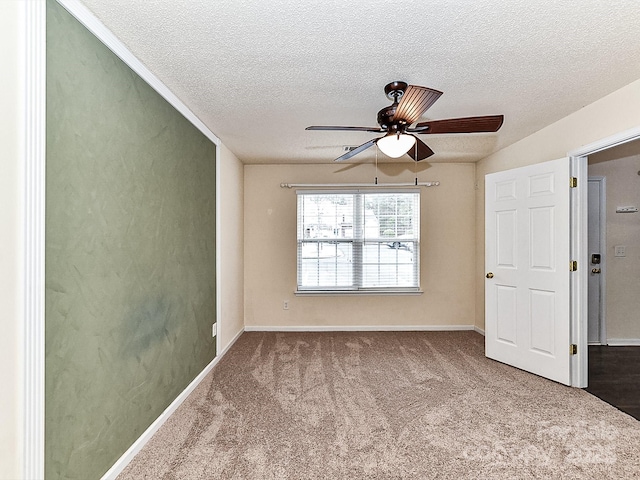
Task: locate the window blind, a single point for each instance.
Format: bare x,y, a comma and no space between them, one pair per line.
358,240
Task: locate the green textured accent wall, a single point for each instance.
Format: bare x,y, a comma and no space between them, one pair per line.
130,253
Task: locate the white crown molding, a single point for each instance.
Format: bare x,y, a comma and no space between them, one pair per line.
95,26
357,328
34,138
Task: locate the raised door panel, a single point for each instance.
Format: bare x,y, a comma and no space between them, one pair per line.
527,244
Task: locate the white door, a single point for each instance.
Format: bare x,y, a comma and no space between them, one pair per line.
527,322
596,328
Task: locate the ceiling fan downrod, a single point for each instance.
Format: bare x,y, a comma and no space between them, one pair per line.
395,90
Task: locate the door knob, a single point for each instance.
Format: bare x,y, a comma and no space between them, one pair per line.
595,270
489,275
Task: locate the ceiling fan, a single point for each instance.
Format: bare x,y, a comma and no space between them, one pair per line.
410,102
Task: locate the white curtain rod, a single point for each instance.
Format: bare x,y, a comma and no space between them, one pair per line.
407,184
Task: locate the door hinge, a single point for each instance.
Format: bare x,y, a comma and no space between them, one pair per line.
573,182
573,266
573,349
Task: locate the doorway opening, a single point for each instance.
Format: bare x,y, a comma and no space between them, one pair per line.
614,273
597,255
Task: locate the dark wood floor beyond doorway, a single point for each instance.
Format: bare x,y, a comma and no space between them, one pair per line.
614,376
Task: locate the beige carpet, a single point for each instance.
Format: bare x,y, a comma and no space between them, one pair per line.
380,405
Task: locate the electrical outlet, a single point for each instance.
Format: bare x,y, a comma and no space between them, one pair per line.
285,305
214,329
620,251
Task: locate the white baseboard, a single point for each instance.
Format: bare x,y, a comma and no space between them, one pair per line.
357,328
479,330
623,342
230,344
127,456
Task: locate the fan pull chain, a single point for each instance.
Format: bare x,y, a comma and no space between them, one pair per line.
376,179
415,164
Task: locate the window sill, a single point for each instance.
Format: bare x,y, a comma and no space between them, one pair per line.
355,293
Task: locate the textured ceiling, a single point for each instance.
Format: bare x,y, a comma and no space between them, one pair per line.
258,72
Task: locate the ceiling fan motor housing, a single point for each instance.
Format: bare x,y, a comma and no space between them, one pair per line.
385,116
394,91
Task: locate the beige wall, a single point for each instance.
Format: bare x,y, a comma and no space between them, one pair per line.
447,250
622,273
608,116
11,195
231,211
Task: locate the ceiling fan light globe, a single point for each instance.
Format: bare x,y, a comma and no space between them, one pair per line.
395,146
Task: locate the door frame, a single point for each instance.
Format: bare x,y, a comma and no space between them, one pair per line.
579,251
602,214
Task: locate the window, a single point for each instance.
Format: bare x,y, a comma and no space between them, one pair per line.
365,241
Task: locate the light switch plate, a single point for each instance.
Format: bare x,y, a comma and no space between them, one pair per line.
620,251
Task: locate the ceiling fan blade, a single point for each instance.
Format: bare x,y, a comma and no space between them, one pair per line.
357,150
488,123
423,151
415,101
356,129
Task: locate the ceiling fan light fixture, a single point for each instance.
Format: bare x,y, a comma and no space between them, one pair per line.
394,145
